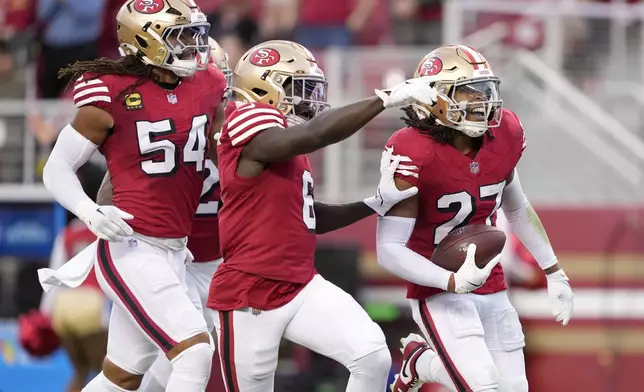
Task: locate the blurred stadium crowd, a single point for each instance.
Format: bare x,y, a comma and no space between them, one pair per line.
38,37
64,31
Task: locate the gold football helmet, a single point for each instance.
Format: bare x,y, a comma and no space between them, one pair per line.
468,91
170,34
220,59
283,74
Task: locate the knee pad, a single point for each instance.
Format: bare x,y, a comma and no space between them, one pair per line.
486,379
375,364
193,363
156,379
101,384
517,384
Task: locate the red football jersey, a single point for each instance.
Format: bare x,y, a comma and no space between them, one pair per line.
456,190
203,241
156,151
267,223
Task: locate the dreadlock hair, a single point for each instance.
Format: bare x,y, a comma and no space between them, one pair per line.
440,133
129,65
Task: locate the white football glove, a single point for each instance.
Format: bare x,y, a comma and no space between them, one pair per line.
417,90
387,195
106,222
561,296
470,277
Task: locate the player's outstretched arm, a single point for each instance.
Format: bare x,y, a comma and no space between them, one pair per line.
330,217
526,225
104,195
332,126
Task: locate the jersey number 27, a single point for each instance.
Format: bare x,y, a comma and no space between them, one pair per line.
209,205
464,205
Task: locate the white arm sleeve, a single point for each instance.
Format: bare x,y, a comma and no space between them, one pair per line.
72,150
525,223
394,256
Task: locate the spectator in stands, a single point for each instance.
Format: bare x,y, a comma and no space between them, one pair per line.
233,25
15,16
109,43
234,17
12,76
69,31
278,19
331,22
416,22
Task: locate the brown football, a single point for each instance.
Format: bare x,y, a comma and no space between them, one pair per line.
450,252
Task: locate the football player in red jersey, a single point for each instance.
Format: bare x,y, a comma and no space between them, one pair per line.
267,287
463,162
150,114
203,241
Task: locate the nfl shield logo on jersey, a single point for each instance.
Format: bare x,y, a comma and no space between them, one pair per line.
474,167
172,98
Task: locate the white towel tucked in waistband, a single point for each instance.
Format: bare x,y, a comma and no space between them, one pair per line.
73,273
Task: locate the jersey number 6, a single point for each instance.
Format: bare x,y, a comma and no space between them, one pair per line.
308,211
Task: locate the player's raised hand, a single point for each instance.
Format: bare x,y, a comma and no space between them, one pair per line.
388,195
561,296
106,222
470,277
417,90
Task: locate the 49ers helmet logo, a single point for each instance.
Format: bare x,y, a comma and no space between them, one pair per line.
431,66
148,6
265,57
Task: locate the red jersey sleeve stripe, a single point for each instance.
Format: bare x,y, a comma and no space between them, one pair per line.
93,82
249,132
252,113
93,90
233,130
89,91
89,100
